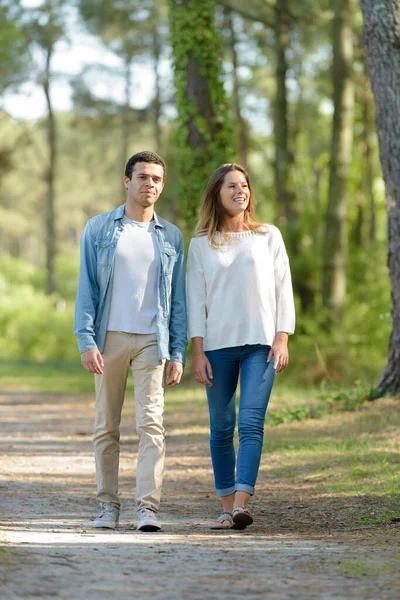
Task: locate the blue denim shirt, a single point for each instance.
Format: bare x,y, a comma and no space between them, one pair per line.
92,308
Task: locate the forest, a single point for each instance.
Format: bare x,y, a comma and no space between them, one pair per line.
294,91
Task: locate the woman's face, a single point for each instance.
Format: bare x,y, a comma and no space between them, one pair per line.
234,193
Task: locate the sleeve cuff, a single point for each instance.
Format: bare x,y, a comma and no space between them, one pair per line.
196,331
179,355
86,342
287,327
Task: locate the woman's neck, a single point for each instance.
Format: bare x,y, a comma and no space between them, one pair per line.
234,224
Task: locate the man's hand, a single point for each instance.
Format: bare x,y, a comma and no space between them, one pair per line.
279,352
202,369
93,361
174,373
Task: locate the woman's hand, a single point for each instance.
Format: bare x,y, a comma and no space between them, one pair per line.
202,368
279,352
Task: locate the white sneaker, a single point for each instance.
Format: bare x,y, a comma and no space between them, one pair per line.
108,518
148,520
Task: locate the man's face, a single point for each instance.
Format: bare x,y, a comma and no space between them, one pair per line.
145,185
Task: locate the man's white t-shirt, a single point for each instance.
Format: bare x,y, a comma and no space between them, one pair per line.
134,287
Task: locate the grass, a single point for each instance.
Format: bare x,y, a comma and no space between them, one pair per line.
57,377
345,454
71,378
376,567
371,566
5,556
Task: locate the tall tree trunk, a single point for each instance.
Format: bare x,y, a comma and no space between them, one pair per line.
204,136
241,126
157,91
336,232
368,144
317,173
50,179
126,118
382,46
284,165
284,158
360,212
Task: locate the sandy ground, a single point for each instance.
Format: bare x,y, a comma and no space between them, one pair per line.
295,548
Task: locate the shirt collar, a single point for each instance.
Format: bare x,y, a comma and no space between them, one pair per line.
120,211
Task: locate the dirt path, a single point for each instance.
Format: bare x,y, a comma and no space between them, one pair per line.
296,549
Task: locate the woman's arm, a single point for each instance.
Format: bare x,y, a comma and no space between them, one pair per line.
201,365
285,312
279,351
196,305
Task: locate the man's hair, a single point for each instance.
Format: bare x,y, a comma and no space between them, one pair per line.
147,157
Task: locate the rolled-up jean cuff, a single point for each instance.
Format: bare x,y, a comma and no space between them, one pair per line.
226,491
243,487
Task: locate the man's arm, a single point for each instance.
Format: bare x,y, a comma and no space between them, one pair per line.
87,297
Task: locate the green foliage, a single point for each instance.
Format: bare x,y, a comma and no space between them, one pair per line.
14,54
196,44
34,325
123,27
336,400
358,350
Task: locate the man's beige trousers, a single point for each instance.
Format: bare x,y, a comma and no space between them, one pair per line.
138,352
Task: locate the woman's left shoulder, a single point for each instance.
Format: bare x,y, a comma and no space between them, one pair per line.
269,230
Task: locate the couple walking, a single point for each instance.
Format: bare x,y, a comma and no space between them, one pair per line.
131,314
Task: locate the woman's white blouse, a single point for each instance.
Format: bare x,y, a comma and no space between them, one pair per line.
242,293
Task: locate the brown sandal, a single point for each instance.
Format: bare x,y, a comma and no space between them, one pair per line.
241,518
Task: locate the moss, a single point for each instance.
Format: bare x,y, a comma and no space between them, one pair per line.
194,40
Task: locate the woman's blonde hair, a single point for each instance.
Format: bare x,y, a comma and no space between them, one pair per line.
212,213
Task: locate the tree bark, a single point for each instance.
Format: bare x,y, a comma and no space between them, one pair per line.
368,144
382,47
241,126
157,92
204,133
50,175
284,158
198,93
284,164
126,118
336,228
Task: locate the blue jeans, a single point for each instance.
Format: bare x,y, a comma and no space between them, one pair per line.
256,380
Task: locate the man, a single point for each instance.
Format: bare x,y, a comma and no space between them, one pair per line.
130,312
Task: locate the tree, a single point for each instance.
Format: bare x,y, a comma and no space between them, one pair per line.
14,53
203,135
44,28
128,31
241,124
282,27
336,232
158,42
382,47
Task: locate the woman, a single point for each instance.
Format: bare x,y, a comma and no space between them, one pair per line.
241,311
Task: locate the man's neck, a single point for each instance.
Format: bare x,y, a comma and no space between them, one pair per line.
139,213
